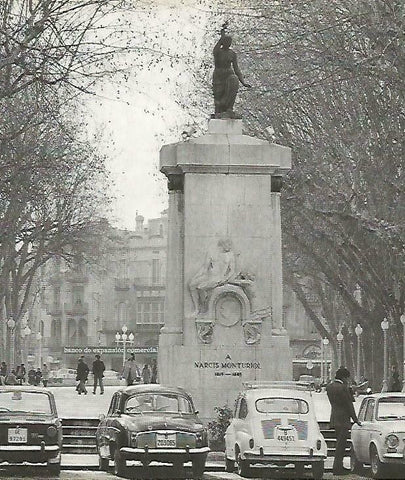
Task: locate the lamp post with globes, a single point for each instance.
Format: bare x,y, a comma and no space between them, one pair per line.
385,326
125,339
11,326
25,333
325,343
39,340
358,331
339,338
403,351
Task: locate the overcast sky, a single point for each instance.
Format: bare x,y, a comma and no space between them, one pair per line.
143,117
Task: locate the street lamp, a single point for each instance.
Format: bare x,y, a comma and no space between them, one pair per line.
358,330
339,338
385,326
39,339
11,326
325,343
25,332
403,351
124,339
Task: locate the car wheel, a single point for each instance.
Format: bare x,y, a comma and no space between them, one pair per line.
318,470
299,469
120,464
243,466
378,469
103,464
198,465
355,465
229,465
54,469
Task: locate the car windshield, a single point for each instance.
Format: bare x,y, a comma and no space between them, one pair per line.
391,408
17,401
281,405
158,402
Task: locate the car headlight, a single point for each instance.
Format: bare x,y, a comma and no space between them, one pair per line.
51,431
392,441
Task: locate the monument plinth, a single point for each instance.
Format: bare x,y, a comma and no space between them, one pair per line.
223,317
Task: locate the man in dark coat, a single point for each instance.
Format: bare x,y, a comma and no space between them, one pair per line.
82,373
98,374
341,401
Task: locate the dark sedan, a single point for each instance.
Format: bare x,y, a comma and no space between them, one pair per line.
30,430
152,423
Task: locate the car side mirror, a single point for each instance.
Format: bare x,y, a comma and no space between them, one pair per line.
197,412
101,417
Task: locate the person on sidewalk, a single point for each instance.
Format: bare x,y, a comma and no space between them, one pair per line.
342,411
146,374
98,374
131,371
45,375
82,373
3,373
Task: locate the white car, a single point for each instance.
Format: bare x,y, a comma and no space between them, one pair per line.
380,439
275,424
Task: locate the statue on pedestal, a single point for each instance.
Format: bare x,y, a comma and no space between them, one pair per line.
226,78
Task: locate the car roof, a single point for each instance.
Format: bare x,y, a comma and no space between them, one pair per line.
385,395
256,393
24,388
152,388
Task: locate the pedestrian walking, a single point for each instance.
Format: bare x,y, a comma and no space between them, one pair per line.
342,411
395,383
98,374
38,376
45,375
154,372
146,374
11,378
31,376
82,373
3,373
20,373
131,371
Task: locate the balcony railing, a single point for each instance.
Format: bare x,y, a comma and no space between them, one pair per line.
54,309
122,284
76,308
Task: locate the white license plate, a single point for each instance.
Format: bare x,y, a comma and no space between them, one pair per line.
166,441
17,435
286,438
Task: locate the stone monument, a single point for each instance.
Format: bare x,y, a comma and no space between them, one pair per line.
223,318
224,306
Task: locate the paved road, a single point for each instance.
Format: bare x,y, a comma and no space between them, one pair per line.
39,473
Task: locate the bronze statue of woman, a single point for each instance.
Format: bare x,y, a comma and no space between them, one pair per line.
226,77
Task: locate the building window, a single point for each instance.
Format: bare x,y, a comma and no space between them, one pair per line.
122,313
150,312
55,331
82,333
155,271
56,296
78,295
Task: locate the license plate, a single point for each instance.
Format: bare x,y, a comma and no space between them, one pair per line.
166,441
286,438
17,435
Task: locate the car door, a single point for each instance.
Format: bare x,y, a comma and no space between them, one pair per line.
105,428
230,434
357,431
367,430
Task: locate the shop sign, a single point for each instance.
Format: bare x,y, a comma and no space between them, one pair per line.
107,350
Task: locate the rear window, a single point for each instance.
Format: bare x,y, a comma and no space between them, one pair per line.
391,408
281,405
15,402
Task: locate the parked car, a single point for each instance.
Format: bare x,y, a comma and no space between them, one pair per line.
30,430
274,424
152,423
380,439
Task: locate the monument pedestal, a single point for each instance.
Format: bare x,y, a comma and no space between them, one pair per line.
223,312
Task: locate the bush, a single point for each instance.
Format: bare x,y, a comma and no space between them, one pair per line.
217,428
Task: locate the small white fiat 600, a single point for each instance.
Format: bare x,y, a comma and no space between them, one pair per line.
380,439
274,424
